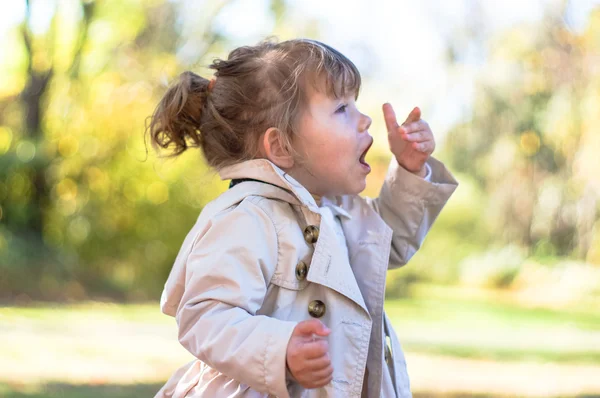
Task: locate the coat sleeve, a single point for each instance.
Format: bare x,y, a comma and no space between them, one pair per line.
409,205
227,275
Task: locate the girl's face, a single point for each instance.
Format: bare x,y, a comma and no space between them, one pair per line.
332,141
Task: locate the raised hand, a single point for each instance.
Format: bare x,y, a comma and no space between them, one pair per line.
412,142
307,354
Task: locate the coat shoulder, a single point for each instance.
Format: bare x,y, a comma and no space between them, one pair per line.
288,240
244,213
254,217
280,212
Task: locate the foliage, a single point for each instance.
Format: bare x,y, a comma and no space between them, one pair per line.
531,142
85,206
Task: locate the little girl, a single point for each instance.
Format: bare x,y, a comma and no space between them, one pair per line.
278,289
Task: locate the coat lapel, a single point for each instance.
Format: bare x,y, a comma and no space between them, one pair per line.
330,266
369,242
369,239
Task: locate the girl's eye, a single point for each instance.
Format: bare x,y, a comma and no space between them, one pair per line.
341,109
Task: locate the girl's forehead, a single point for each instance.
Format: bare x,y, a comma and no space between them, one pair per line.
332,85
321,94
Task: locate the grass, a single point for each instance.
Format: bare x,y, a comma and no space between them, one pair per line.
129,350
53,314
58,390
438,321
63,390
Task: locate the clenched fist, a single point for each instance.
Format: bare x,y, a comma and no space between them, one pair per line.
307,354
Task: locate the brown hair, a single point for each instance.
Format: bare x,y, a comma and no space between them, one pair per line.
256,87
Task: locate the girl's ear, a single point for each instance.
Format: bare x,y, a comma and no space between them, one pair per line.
275,148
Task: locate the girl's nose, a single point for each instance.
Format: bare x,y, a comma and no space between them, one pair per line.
365,122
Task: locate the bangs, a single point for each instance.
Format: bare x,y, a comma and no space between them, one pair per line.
330,72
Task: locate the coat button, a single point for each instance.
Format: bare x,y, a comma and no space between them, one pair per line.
316,308
311,234
301,271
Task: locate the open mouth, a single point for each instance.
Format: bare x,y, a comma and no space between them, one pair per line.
364,154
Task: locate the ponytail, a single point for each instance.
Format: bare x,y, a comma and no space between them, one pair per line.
177,117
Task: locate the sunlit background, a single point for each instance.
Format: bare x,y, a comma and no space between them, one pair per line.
502,300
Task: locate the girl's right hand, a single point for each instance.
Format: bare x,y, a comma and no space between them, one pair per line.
307,355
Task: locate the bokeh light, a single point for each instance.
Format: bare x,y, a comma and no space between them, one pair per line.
25,151
5,139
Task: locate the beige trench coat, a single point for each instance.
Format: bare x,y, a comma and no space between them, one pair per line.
236,296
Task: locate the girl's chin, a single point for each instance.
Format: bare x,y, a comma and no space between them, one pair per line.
359,187
363,186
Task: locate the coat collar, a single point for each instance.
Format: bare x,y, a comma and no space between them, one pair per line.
335,208
265,170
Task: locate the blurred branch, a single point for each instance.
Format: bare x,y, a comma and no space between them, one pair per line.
32,96
88,12
27,41
37,81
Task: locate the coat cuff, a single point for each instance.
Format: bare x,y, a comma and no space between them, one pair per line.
275,369
434,190
427,173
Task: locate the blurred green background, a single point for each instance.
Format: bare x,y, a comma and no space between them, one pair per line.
503,299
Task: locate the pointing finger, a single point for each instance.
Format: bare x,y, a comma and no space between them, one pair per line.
390,117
